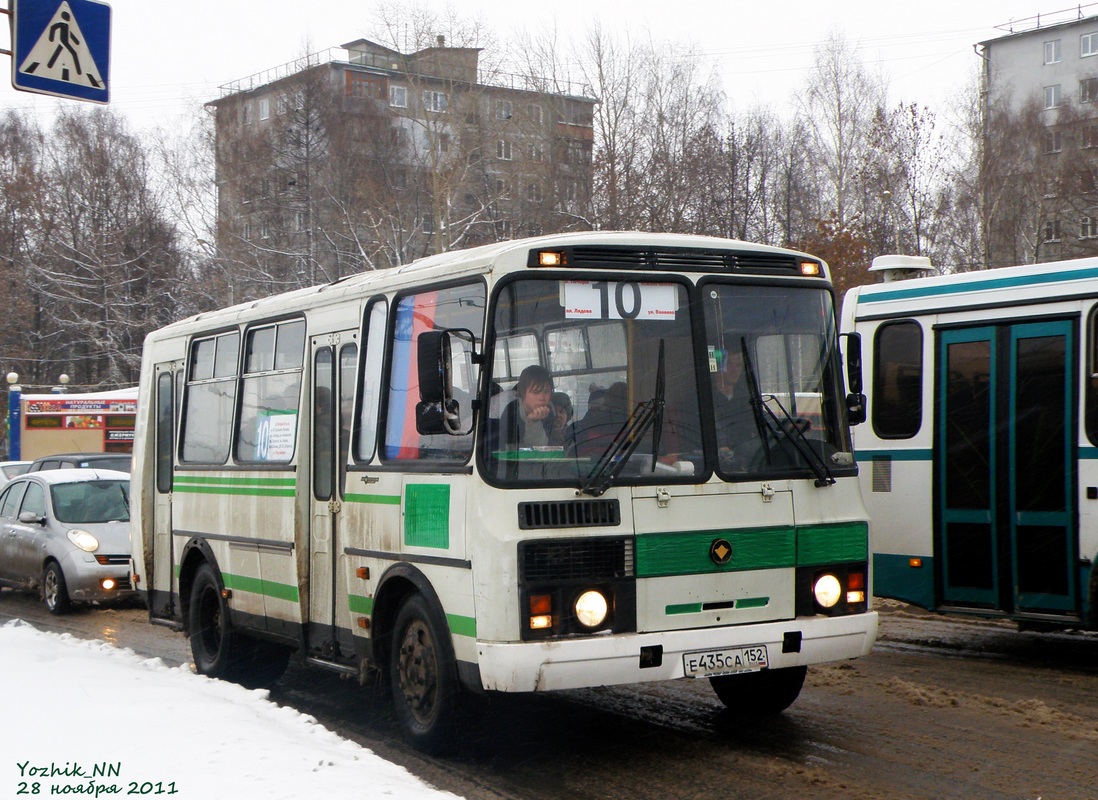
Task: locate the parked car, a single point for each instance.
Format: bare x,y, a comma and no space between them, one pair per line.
9,469
67,532
118,461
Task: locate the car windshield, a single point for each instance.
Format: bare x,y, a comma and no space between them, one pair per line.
91,501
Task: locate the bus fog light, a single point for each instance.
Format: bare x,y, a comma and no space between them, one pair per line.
852,598
591,608
828,590
540,622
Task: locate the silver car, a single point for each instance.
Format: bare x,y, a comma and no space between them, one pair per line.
68,532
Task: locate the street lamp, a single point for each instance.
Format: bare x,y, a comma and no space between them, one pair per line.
15,430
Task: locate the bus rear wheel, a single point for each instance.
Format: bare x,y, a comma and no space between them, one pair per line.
423,676
760,694
218,650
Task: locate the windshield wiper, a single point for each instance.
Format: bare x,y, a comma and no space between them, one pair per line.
762,410
648,413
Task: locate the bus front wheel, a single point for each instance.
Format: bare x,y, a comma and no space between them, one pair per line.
423,676
760,694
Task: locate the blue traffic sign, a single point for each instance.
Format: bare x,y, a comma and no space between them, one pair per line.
62,48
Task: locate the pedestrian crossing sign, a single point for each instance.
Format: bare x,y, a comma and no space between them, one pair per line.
62,48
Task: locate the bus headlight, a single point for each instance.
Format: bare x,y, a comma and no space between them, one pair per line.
827,590
591,608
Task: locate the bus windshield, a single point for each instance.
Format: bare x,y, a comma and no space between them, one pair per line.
598,382
774,378
575,364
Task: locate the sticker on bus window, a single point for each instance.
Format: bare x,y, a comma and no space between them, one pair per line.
619,300
276,436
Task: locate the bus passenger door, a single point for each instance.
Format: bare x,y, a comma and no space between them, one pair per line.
160,570
1005,494
335,358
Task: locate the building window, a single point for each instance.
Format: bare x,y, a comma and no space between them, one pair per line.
533,192
1088,90
1088,45
365,86
1052,96
1051,231
502,189
283,104
1052,52
444,143
434,101
1054,141
536,114
503,150
1088,228
503,109
264,108
534,152
398,96
246,113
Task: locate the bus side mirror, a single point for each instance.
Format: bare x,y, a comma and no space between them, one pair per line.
855,401
437,411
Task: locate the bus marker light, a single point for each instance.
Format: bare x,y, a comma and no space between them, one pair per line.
915,563
855,597
811,269
541,604
363,572
541,622
855,580
364,623
550,258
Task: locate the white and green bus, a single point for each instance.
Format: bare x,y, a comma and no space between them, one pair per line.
356,472
980,455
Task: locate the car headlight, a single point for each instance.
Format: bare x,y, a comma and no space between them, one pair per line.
84,540
827,590
591,608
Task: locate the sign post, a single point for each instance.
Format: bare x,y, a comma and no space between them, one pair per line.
62,48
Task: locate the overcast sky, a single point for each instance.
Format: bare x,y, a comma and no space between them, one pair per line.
170,56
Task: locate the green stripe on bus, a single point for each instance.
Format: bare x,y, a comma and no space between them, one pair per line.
683,608
979,285
234,481
360,605
832,544
374,499
687,553
753,602
256,487
242,583
459,625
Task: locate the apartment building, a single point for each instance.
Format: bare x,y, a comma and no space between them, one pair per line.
1040,107
364,157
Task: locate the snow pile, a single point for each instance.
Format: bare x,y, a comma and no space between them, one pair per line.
88,719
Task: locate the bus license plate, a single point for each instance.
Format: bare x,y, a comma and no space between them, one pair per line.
705,663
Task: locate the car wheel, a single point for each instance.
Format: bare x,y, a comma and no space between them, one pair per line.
423,676
760,694
54,591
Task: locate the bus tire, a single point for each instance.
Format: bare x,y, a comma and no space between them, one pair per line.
760,694
423,676
215,647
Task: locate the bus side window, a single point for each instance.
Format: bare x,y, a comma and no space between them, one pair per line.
897,400
435,309
1090,403
373,357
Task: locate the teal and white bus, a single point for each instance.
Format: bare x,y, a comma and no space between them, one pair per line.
339,472
980,455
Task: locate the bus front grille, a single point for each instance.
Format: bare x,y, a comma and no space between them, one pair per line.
576,560
569,514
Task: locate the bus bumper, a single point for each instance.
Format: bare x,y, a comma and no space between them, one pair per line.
610,660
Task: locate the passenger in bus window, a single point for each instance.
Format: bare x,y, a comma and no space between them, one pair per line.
527,421
732,410
562,432
603,420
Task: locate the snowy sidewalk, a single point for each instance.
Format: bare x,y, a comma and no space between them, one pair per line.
87,719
